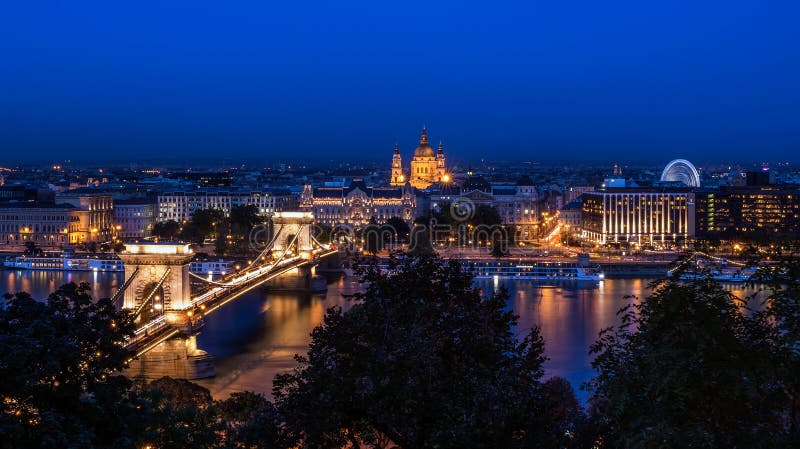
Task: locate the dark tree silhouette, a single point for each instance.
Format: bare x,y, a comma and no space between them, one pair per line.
688,367
422,360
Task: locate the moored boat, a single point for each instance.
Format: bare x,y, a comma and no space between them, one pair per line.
532,270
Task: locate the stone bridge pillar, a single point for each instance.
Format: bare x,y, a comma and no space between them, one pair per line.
163,280
293,226
153,260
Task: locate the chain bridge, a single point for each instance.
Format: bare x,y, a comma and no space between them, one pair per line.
169,314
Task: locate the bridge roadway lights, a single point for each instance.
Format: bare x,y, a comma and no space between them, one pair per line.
187,322
179,356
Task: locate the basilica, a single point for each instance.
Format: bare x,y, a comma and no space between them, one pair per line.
427,166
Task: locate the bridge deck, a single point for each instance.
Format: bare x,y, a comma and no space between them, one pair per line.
222,292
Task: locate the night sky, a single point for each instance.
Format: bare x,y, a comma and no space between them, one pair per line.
638,81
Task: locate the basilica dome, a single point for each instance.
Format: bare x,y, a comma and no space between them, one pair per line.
424,149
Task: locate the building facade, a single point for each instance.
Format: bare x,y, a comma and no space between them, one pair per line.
751,212
637,215
134,219
96,212
180,205
572,193
42,224
358,204
518,205
427,166
571,216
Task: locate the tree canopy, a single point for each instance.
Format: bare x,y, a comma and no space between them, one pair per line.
423,360
57,358
690,366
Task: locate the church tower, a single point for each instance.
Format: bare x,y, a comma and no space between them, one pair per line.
424,166
441,174
398,179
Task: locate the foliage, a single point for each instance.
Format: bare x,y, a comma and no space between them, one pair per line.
420,242
243,218
687,367
166,230
56,363
251,420
32,250
206,221
422,360
499,247
176,414
58,360
485,215
191,234
373,240
400,227
781,313
221,245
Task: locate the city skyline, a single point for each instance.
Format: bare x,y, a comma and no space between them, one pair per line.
629,83
385,225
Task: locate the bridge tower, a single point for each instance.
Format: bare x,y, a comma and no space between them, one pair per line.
293,234
294,238
160,277
157,287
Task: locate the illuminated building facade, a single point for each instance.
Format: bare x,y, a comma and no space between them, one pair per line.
750,212
96,212
635,215
180,205
134,219
43,224
517,204
427,166
357,204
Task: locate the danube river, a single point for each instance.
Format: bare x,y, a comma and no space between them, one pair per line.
256,336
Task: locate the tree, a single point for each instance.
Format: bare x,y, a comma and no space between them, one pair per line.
485,215
206,221
176,414
56,375
190,233
780,312
687,368
243,218
420,242
421,360
499,247
400,228
221,245
372,237
31,249
166,230
252,421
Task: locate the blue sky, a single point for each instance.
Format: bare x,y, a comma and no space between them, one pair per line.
568,80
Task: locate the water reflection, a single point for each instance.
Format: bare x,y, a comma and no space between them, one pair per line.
257,336
40,283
